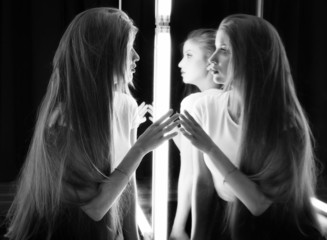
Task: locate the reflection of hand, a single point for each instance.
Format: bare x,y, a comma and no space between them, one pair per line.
179,236
143,109
150,111
194,132
147,236
158,132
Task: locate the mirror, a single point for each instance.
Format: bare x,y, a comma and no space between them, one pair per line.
27,54
292,22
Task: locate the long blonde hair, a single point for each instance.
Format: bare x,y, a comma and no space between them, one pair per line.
73,150
276,144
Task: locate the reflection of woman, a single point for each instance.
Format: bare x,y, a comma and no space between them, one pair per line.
70,185
269,180
198,47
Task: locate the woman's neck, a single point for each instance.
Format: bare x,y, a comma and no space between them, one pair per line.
206,84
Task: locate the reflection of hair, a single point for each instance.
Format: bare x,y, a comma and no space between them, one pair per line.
205,38
276,148
72,151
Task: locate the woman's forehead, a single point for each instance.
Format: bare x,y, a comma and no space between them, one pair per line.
191,45
222,38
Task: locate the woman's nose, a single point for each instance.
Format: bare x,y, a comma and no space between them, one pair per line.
212,59
180,63
136,57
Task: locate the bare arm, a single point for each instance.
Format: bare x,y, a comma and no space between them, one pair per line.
202,195
118,179
243,187
130,227
184,190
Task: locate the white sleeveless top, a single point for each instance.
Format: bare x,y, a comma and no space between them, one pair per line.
125,119
211,112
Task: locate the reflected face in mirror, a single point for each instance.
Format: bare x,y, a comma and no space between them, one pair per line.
131,63
220,59
132,57
194,63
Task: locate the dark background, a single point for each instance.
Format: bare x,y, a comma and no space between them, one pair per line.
31,30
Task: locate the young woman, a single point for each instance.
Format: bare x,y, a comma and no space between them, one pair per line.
71,183
269,178
197,48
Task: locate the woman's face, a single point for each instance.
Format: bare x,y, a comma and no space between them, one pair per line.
132,58
220,59
194,63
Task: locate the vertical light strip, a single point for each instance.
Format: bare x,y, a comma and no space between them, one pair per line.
260,8
120,4
161,104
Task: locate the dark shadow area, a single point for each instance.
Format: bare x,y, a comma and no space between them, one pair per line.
31,30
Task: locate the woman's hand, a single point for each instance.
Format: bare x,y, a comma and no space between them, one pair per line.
179,236
158,132
194,132
142,110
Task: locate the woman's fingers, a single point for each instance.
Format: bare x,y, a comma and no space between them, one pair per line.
170,136
170,120
192,120
150,109
142,109
166,115
187,124
185,133
171,126
142,105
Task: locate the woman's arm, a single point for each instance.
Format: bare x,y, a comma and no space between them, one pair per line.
244,189
109,191
130,227
202,195
184,190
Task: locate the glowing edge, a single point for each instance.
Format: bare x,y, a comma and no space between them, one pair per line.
161,104
143,223
319,205
160,155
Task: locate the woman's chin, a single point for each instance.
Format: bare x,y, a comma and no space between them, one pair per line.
218,80
187,81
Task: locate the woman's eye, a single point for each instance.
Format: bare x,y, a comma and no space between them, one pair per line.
188,55
223,50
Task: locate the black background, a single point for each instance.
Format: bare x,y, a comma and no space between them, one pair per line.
31,30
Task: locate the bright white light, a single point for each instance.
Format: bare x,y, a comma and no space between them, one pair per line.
143,223
163,7
161,104
161,98
319,205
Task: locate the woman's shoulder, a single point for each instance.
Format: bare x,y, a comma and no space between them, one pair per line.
120,96
200,98
212,98
124,100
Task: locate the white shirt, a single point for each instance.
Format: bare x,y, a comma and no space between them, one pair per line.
125,119
211,112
